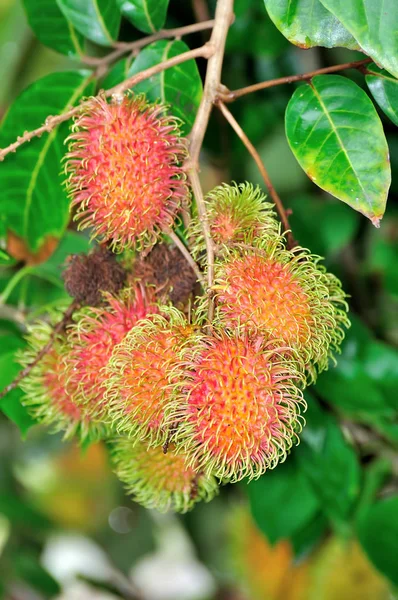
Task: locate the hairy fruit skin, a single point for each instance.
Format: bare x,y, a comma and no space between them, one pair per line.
124,173
284,295
241,414
161,480
145,373
48,394
236,213
92,339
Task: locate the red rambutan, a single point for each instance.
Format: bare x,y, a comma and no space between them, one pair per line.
241,414
124,167
283,295
159,480
145,373
92,339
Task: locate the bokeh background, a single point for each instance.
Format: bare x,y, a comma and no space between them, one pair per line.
68,531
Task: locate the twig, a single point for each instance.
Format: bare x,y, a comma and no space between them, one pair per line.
229,96
264,173
201,10
51,122
186,254
25,372
223,19
125,48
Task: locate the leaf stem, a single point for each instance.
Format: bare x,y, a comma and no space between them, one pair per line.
205,51
229,96
261,167
124,48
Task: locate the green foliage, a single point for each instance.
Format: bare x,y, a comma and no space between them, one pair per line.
384,89
374,25
329,123
97,20
307,23
33,200
147,15
180,87
52,28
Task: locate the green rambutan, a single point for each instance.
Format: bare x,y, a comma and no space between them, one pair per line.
283,295
124,170
241,411
145,373
158,480
49,395
236,213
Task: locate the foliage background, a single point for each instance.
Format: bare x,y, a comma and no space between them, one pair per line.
322,525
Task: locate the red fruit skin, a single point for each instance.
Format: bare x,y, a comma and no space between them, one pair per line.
125,174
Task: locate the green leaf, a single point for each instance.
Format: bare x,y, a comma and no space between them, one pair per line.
180,87
282,501
329,123
307,23
329,463
97,20
384,89
11,403
29,569
52,28
374,24
147,15
378,534
117,74
33,198
381,364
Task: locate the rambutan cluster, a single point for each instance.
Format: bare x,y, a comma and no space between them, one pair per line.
186,401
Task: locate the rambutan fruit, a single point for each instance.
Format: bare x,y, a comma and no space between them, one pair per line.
49,395
158,480
236,213
284,295
92,338
241,414
145,374
124,170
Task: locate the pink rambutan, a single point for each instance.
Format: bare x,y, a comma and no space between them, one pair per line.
92,339
241,413
159,480
146,372
284,295
124,168
49,395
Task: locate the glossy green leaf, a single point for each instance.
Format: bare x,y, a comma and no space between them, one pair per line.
374,24
52,28
11,403
329,123
287,487
307,23
180,87
97,20
33,198
147,15
329,463
378,534
381,364
384,89
117,74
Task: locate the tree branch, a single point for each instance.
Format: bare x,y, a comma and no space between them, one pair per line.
125,48
57,329
229,96
264,173
205,51
223,18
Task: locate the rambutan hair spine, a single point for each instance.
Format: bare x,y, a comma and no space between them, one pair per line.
146,372
240,411
282,294
159,480
125,174
92,338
